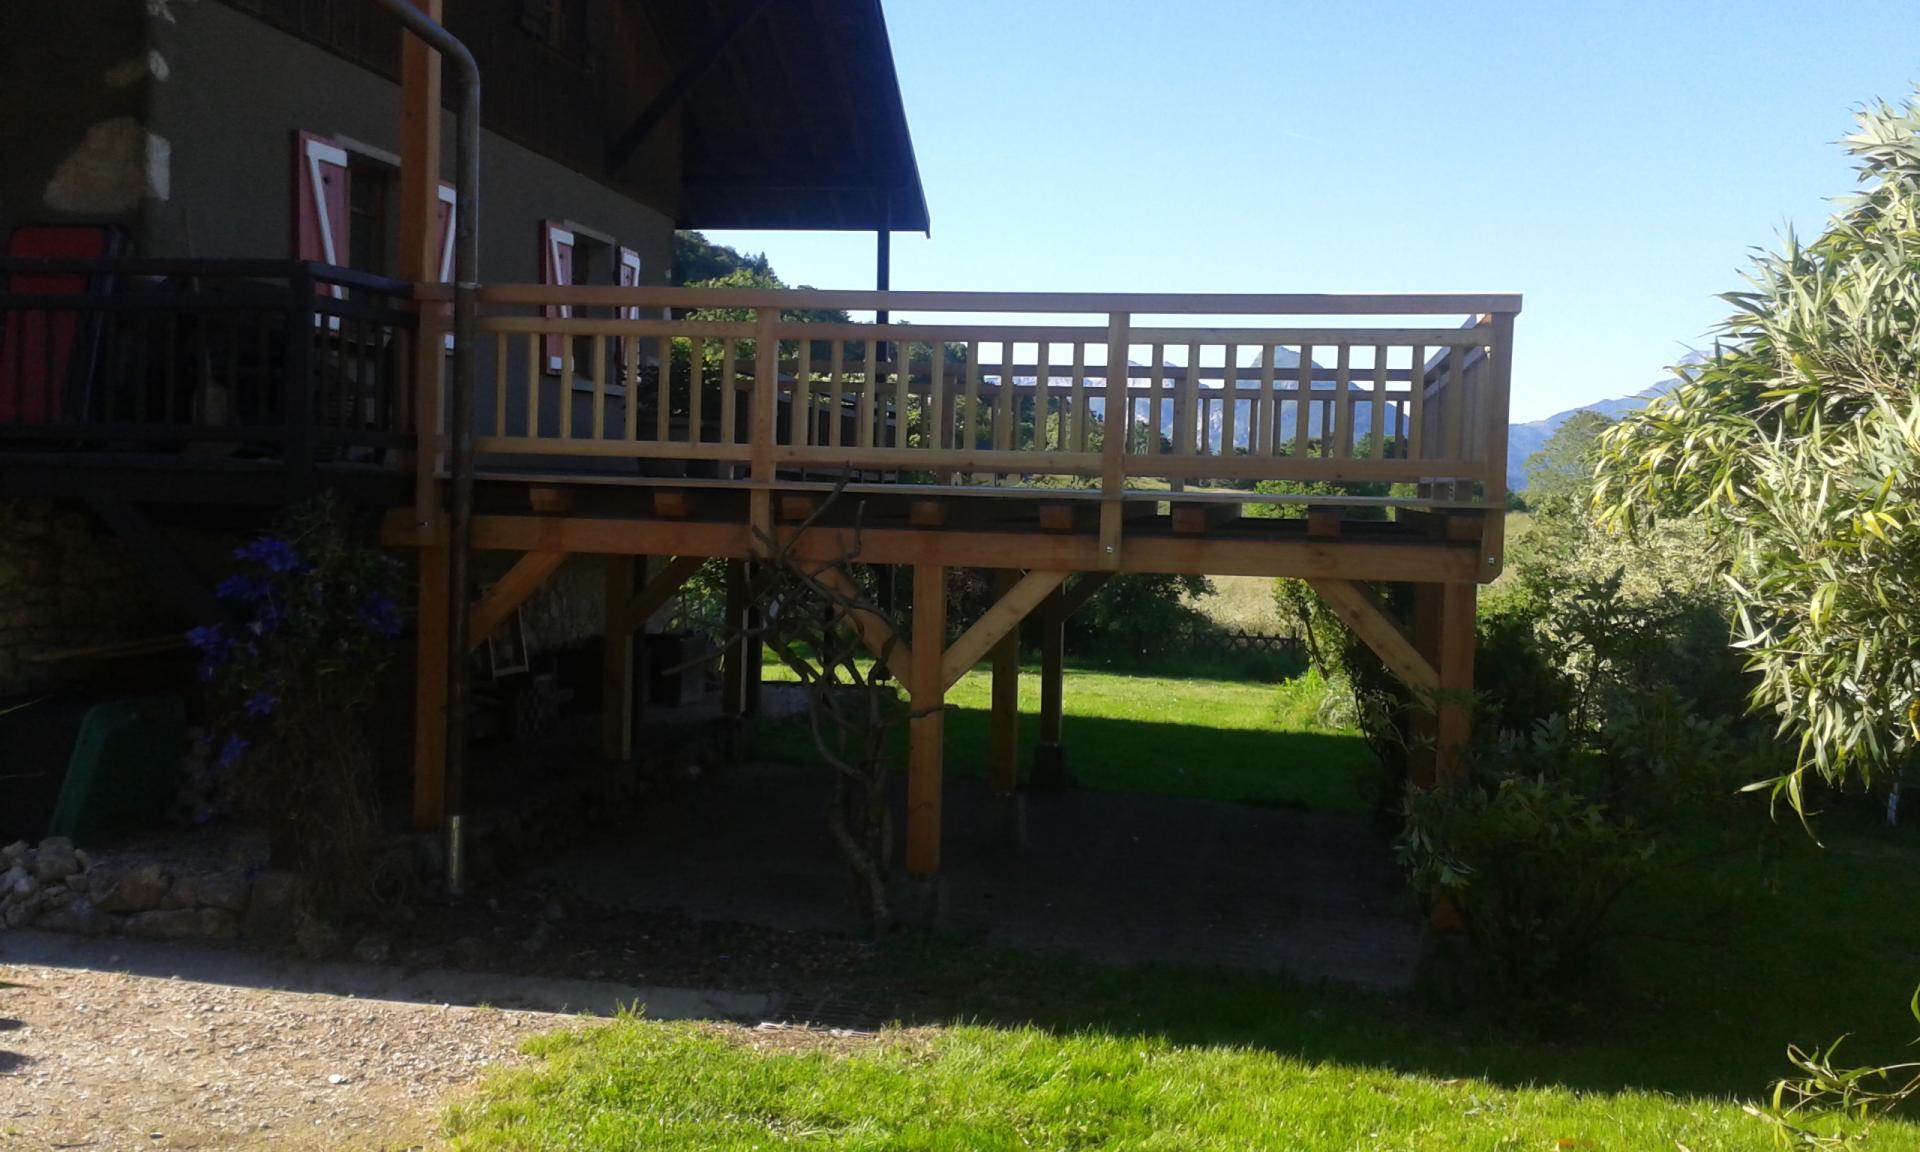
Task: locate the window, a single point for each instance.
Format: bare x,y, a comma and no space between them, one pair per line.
368,208
559,24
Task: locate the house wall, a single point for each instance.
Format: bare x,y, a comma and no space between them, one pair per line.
74,82
230,116
238,90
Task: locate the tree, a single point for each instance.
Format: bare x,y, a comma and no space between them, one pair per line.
1800,445
1559,475
697,260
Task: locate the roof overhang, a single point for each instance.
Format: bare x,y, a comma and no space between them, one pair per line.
791,117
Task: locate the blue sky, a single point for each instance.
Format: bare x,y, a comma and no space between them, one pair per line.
1614,162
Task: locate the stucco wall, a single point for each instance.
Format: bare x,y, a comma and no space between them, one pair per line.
74,81
239,89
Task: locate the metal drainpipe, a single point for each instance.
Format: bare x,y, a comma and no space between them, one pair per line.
466,292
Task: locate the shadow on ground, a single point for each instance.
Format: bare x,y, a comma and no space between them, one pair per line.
1114,879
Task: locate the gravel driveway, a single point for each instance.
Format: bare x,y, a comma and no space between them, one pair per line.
106,1060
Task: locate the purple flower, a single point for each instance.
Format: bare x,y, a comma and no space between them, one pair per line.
272,553
240,588
232,750
261,704
207,637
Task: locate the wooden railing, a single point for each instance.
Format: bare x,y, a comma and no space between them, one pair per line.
1352,390
1368,400
261,359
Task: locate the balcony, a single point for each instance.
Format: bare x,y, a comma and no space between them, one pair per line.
993,409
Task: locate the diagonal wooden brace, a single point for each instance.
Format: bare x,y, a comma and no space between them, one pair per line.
661,589
1370,620
509,592
874,629
996,622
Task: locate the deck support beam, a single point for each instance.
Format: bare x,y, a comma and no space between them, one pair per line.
628,608
734,631
1003,746
1453,703
616,658
419,261
927,728
1049,754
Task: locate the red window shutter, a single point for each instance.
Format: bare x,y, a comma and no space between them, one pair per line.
320,195
556,267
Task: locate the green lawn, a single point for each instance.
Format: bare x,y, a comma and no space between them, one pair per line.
1217,739
1748,937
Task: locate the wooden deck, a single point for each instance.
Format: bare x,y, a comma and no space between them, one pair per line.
695,424
1040,435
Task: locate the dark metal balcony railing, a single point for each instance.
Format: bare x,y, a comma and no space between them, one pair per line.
256,359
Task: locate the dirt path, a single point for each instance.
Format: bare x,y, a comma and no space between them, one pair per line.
105,1060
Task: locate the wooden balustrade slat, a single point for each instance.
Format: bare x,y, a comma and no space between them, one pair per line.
729,398
1302,401
599,387
836,364
1379,402
867,392
800,416
1341,410
1229,399
1156,398
1454,445
535,354
500,385
1268,425
663,415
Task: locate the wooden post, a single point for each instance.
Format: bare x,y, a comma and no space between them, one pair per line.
1004,743
430,693
1049,758
927,731
420,261
1454,710
764,423
733,671
1053,647
616,661
1428,604
1119,418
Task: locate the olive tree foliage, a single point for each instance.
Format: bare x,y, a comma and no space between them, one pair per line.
1799,444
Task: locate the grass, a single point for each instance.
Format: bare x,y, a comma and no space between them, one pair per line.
1718,966
1244,604
1214,739
681,1087
1749,936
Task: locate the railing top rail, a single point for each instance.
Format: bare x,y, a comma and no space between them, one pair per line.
208,268
1138,303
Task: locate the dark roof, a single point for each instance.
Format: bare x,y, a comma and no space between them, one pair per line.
797,122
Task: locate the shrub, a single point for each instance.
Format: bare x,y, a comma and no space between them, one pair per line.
1136,613
1530,862
291,683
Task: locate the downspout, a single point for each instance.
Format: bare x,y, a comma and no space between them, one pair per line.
466,300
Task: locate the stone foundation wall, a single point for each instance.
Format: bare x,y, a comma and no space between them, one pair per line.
183,886
66,583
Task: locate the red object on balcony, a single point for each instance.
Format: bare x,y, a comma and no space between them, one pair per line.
38,346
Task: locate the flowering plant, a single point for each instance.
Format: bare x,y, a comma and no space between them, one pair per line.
291,677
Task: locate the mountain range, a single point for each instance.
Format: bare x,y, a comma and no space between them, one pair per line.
1523,439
